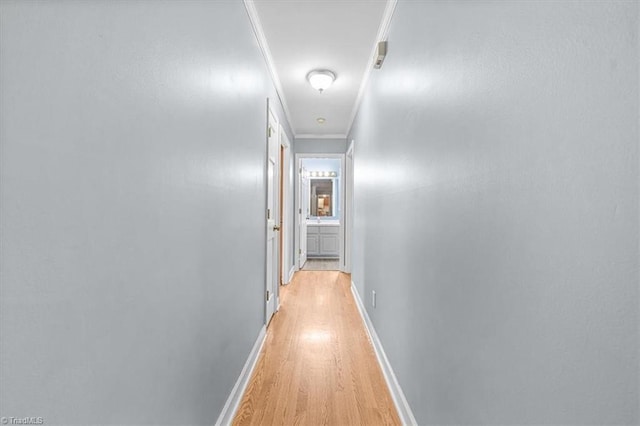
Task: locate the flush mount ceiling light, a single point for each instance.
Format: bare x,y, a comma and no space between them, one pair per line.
321,120
321,79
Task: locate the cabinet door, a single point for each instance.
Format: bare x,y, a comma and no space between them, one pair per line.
329,245
312,245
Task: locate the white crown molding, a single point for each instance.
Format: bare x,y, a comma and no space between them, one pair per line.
383,33
266,53
321,136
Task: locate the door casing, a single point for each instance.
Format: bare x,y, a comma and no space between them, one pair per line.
286,204
348,208
272,215
299,206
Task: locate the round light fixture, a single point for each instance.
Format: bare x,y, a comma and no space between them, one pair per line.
321,79
321,120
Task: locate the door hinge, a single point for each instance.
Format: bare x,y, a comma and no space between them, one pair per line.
269,131
300,211
299,251
268,214
268,295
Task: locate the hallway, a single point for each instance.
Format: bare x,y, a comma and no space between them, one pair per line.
486,207
317,366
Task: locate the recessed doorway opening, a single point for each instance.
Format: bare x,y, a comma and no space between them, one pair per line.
320,206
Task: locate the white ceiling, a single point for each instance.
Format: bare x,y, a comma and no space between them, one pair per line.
298,36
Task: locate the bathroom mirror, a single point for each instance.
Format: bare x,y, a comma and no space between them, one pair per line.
321,197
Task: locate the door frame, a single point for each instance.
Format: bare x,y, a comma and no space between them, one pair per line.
286,229
300,240
298,165
348,207
271,268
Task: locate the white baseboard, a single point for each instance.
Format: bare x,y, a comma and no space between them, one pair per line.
291,272
404,411
231,406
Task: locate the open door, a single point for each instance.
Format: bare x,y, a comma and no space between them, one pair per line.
303,214
272,216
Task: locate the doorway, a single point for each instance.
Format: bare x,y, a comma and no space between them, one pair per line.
320,204
279,223
272,215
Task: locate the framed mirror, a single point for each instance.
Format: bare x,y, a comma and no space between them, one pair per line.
321,198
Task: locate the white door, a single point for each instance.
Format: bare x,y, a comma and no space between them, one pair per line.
348,210
272,217
303,215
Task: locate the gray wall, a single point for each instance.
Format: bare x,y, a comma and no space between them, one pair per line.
320,146
497,210
132,206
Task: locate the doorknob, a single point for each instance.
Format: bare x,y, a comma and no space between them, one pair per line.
276,228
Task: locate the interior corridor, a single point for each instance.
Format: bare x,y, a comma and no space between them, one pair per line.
165,165
317,366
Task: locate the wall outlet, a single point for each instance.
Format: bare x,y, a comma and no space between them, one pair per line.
373,298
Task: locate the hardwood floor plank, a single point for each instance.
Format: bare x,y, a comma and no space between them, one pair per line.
317,366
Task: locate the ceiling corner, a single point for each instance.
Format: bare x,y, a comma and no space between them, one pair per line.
268,58
383,33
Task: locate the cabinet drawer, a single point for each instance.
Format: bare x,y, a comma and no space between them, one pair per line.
334,230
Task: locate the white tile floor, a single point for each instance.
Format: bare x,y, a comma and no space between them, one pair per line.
321,265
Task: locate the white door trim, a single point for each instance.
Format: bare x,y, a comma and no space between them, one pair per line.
348,207
287,222
272,216
299,156
302,213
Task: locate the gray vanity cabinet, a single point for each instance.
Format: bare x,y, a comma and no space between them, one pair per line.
323,241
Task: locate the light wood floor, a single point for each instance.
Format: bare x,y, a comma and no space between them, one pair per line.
317,366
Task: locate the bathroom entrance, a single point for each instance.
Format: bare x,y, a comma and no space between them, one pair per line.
320,204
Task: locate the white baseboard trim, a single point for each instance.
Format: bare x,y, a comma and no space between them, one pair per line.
233,402
404,410
291,272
